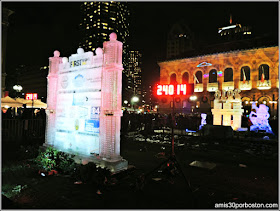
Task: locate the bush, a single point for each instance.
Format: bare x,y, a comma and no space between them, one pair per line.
53,159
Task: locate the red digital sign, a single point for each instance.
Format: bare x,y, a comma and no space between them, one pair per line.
170,89
31,96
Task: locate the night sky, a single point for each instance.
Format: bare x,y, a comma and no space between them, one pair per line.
37,29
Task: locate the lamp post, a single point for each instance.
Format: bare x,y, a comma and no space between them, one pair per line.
125,103
134,100
172,126
193,98
17,88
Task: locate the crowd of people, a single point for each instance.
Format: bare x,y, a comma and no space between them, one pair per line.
149,121
23,113
132,121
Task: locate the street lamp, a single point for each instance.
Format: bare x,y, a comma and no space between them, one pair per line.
134,100
17,88
193,98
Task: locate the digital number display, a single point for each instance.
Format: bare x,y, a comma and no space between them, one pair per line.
170,89
31,96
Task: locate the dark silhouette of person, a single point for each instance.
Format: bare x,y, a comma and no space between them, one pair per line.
27,113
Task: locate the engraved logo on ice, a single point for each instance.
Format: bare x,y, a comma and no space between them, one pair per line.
79,81
64,82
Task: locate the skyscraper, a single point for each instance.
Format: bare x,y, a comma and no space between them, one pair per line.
235,31
134,72
180,39
99,19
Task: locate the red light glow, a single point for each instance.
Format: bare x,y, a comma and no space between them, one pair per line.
170,89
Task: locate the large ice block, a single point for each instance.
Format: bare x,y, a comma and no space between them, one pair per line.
227,110
84,103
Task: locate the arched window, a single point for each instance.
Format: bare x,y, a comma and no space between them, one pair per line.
185,78
213,76
264,70
198,79
173,78
228,75
245,70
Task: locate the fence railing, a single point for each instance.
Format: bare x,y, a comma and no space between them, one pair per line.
15,129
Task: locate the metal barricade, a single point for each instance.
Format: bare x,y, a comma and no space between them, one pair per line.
16,129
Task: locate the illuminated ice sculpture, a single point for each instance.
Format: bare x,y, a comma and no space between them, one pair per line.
259,118
84,104
228,108
111,101
203,120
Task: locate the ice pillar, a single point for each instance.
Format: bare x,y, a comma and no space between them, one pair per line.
227,113
111,86
237,115
217,116
51,98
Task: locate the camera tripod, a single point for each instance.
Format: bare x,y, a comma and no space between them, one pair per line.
171,162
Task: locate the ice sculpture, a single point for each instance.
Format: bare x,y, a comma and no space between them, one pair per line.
259,118
74,100
84,102
111,105
227,108
203,120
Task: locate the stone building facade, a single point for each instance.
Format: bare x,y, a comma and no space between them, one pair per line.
253,71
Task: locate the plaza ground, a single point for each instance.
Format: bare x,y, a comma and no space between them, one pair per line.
246,170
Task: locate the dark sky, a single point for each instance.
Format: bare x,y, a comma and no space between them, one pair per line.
37,29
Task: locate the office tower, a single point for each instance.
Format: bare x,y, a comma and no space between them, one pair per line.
134,73
179,40
235,31
99,20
